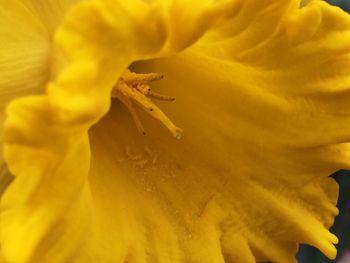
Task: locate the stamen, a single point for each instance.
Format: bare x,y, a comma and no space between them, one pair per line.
133,112
133,87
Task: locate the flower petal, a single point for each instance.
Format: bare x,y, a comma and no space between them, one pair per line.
24,53
24,61
52,129
26,30
248,182
50,12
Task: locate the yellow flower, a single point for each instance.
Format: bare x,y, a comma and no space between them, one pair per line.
262,96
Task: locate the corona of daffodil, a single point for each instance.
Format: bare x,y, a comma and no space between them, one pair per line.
171,131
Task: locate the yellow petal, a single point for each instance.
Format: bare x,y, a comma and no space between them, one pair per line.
68,109
50,12
262,100
24,52
24,60
26,31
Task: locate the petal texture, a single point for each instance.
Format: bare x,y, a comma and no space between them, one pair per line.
50,12
24,59
27,29
24,52
262,99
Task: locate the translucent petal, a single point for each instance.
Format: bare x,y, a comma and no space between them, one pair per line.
26,32
262,99
24,52
50,12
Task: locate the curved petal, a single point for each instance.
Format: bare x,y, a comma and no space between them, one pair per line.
249,180
26,30
24,60
52,130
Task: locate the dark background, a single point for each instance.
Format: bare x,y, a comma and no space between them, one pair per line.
345,4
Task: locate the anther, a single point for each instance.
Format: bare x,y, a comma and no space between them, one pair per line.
131,77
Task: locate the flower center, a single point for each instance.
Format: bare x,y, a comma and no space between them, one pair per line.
133,88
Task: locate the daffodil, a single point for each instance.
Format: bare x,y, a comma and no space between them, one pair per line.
172,131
